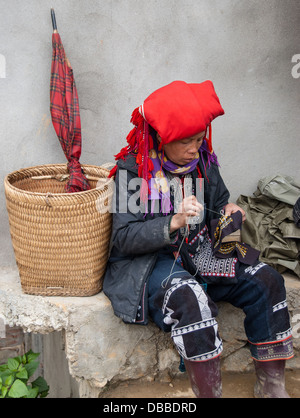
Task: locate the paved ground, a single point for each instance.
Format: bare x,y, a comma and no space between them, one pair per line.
234,386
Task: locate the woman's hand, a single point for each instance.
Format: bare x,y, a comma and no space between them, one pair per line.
189,207
231,208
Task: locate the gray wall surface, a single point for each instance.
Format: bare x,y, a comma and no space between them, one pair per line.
122,50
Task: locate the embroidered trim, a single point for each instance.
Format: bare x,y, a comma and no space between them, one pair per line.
206,263
207,356
252,270
194,327
224,221
286,335
228,247
281,336
281,350
176,286
280,305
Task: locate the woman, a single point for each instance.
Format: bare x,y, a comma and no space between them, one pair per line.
166,260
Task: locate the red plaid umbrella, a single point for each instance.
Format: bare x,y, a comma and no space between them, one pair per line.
64,108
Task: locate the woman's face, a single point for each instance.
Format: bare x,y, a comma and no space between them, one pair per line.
183,151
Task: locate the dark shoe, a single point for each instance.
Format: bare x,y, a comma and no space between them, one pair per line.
205,377
270,379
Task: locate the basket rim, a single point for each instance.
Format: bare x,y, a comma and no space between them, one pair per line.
9,185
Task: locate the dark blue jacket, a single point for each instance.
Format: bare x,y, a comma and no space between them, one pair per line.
137,239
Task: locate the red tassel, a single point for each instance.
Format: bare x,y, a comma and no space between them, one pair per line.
199,172
136,117
131,138
122,154
113,171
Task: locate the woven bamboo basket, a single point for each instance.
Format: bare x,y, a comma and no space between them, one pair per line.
60,240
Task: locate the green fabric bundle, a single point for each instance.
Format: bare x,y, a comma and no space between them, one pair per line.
270,225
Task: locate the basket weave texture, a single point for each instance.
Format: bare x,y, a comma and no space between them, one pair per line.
60,240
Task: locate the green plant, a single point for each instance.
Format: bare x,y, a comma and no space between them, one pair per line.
15,374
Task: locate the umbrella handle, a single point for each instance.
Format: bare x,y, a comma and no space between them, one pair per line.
53,20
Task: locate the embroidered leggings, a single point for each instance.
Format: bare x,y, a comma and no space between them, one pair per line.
182,306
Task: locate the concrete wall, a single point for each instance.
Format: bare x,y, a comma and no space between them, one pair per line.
121,50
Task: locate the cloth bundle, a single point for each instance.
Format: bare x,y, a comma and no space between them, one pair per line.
272,224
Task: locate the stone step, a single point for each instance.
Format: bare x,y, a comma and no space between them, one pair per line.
100,348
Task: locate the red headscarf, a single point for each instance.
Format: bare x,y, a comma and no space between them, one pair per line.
176,111
181,110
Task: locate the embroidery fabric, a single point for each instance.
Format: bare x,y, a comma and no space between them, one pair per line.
225,226
206,262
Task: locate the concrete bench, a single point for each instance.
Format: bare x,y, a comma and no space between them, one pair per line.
100,348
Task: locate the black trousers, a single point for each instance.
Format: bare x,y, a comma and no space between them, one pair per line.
184,307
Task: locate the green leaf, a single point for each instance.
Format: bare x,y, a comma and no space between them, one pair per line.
22,373
9,380
3,367
32,393
18,359
18,390
5,374
41,384
3,392
31,367
13,364
14,377
31,356
44,394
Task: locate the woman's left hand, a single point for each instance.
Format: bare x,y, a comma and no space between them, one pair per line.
231,208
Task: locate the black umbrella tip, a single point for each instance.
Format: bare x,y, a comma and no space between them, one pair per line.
53,19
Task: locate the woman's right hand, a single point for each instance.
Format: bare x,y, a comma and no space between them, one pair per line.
189,207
